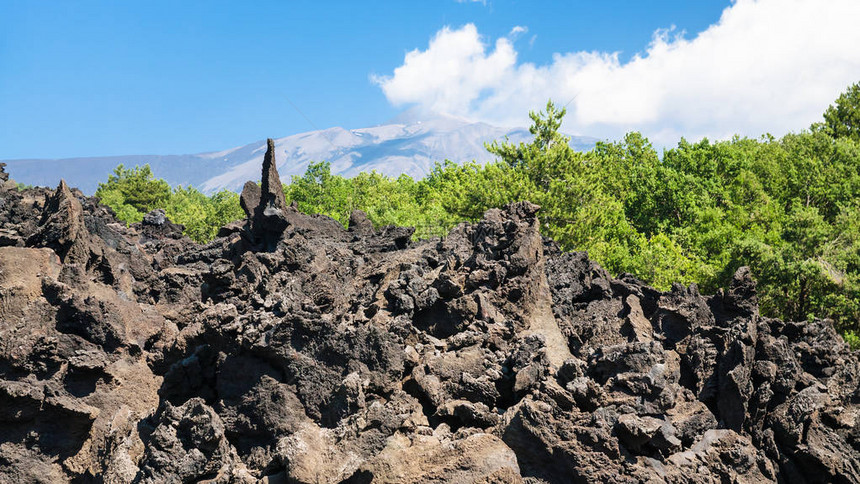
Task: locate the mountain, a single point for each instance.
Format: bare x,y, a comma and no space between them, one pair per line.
410,143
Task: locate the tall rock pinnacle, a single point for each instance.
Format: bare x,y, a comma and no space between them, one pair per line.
272,194
266,205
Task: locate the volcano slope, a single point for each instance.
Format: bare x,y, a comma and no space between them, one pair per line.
292,350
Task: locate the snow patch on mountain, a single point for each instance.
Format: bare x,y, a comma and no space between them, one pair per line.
411,143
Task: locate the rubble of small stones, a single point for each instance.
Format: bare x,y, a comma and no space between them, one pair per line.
290,349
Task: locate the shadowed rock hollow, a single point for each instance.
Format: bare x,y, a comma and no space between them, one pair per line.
292,350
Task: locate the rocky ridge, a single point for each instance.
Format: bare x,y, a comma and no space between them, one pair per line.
291,349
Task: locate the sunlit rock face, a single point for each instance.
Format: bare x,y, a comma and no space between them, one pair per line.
291,349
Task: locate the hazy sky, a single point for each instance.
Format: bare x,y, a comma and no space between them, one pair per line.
89,78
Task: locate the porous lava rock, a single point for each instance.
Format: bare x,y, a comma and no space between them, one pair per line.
290,349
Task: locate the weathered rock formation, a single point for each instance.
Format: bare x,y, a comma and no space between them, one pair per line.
292,350
6,183
265,205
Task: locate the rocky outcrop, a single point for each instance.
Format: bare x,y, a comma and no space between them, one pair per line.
61,227
271,193
265,205
291,349
6,184
156,227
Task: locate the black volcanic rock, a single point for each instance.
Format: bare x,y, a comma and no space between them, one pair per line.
359,223
271,192
269,218
61,227
250,198
265,205
155,225
299,351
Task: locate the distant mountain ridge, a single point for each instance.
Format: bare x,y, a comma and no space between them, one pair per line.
410,144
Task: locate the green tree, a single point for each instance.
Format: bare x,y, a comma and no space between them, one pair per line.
547,156
137,188
467,191
786,207
202,215
843,118
131,193
318,191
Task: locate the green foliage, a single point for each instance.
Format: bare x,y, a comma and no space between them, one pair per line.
318,191
786,207
548,143
202,215
466,191
852,338
843,119
386,200
131,193
137,188
789,208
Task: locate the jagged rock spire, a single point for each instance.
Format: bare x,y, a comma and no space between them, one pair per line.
256,198
272,194
62,226
266,205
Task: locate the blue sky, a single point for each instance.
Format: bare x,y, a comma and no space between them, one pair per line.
90,78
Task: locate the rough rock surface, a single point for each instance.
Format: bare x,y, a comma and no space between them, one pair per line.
292,350
6,183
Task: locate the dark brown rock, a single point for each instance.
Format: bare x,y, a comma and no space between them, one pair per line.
292,350
6,184
155,225
61,227
271,191
359,223
271,214
250,198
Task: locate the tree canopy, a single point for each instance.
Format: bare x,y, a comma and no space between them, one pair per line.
131,193
843,118
789,208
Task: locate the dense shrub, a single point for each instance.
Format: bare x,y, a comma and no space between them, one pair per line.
789,208
131,193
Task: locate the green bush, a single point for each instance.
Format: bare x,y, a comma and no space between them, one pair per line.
789,208
131,193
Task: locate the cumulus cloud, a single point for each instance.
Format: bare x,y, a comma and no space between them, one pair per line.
765,66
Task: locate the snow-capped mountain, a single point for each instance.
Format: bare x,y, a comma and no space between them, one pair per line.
408,144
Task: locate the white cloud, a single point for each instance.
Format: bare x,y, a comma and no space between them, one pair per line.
517,31
765,66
